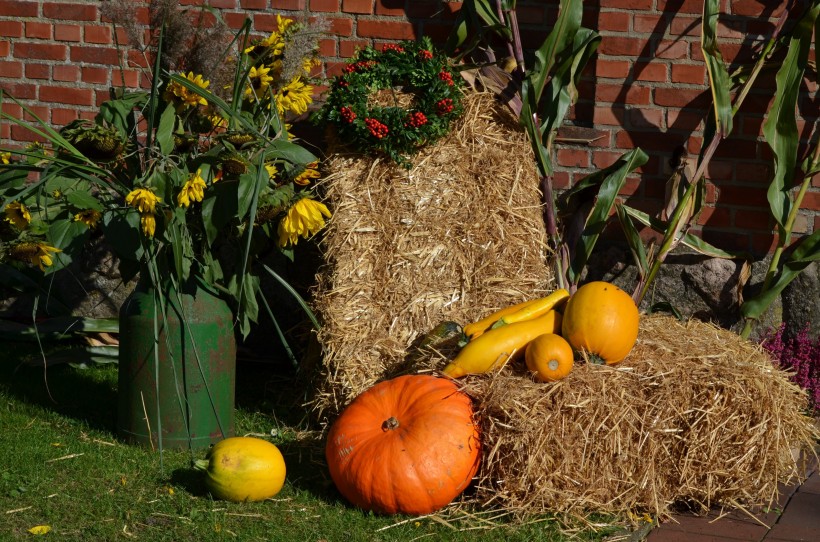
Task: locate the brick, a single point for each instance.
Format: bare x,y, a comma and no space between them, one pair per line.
11,69
38,71
719,170
66,95
685,26
560,180
631,93
35,30
754,8
255,4
613,69
652,71
223,4
66,72
62,116
753,220
676,6
385,29
98,34
67,32
674,50
715,217
23,135
613,116
21,91
573,158
613,21
626,4
689,73
327,47
18,8
750,172
686,121
682,97
604,159
342,27
94,55
395,9
621,46
348,48
5,48
811,201
765,243
327,6
69,12
647,23
642,117
11,29
40,51
357,6
744,196
801,224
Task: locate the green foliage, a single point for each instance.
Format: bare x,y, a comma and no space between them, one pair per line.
173,177
393,101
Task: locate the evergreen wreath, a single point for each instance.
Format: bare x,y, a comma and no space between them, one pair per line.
394,101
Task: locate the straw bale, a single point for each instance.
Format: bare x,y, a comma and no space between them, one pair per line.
456,236
694,415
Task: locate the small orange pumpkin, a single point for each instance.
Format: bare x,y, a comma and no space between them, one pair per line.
549,356
602,320
409,445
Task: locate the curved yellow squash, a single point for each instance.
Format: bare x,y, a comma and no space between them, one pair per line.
495,347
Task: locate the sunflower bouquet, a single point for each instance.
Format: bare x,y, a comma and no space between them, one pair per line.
188,180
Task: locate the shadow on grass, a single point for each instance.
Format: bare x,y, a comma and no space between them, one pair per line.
88,395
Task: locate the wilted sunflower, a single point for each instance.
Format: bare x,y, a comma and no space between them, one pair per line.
149,224
89,217
311,172
305,218
192,190
5,158
143,200
18,214
38,254
296,96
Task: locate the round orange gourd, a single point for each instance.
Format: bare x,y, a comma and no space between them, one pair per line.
243,469
602,320
549,356
408,445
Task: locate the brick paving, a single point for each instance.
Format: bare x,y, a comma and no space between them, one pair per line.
798,520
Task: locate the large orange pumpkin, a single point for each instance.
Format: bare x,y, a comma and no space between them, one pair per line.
602,320
409,445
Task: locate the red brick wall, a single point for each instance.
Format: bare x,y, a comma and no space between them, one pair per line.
646,87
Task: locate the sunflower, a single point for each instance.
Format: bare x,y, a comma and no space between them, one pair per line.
89,217
143,200
311,172
182,97
38,254
260,79
5,158
18,214
295,96
305,218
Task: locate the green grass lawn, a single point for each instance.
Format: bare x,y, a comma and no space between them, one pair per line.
64,467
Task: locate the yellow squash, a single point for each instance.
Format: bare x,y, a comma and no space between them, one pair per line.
243,469
497,346
535,309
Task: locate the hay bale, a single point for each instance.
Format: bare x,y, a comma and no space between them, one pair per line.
456,236
694,414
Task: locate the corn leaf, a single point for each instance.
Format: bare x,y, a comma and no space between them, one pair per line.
719,79
607,183
692,241
633,239
780,127
806,251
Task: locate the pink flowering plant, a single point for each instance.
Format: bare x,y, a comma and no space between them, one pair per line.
800,355
189,180
394,100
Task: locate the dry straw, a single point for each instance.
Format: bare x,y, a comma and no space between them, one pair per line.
456,236
694,415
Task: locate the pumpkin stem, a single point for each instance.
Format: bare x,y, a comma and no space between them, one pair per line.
390,424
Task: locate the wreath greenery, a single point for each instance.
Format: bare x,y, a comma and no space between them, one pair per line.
394,100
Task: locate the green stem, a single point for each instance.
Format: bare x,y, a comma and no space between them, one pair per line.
782,243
